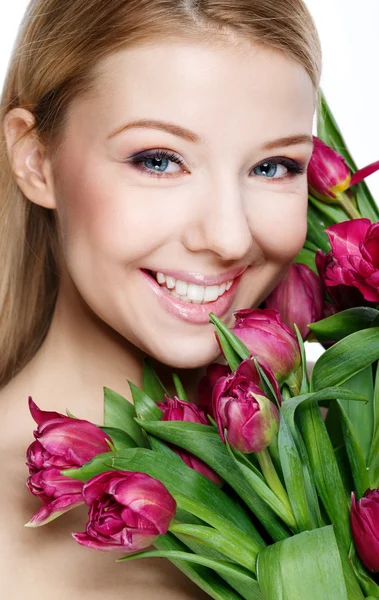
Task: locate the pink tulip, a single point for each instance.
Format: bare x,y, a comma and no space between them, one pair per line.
350,271
364,518
179,410
329,175
61,443
299,298
128,511
267,337
250,418
207,383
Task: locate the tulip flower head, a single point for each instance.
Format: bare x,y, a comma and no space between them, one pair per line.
329,175
350,271
268,338
207,383
61,443
299,298
179,410
250,418
128,511
364,517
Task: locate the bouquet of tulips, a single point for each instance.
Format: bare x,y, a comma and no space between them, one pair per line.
268,487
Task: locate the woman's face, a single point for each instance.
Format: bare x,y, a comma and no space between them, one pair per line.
187,165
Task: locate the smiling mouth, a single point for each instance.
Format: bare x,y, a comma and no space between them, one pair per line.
190,292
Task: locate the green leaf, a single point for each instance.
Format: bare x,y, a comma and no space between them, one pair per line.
346,358
120,413
293,472
229,545
233,340
180,391
355,454
151,383
361,415
207,445
307,565
304,388
145,407
332,212
346,322
266,384
206,579
367,584
325,469
230,354
119,438
316,228
307,257
264,492
221,567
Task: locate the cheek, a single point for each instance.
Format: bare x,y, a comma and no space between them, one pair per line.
279,226
102,219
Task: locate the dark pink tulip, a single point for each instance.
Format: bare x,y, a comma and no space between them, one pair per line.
350,271
364,517
207,383
179,410
128,511
329,175
250,418
267,337
328,172
61,443
299,298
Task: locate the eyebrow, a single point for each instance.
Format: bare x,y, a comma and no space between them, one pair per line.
190,136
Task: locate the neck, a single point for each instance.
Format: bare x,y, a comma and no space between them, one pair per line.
81,354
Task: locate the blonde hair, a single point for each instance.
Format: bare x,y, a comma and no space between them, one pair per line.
60,42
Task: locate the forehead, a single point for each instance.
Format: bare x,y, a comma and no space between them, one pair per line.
211,88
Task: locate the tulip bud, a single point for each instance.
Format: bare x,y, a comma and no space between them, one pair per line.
61,443
207,383
299,298
267,337
328,172
179,410
128,511
250,418
364,517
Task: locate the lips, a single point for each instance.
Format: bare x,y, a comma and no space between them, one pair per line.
193,313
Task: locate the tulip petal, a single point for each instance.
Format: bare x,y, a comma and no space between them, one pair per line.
365,172
55,509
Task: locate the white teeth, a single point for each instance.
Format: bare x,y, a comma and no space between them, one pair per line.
170,282
181,287
195,292
211,293
190,292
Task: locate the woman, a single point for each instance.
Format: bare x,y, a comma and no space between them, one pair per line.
153,170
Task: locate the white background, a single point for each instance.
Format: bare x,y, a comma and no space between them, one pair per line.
350,41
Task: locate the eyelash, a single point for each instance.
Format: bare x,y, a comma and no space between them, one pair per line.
293,167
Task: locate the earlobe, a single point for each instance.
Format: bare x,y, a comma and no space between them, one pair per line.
28,158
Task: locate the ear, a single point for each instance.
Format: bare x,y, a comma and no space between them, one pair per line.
28,157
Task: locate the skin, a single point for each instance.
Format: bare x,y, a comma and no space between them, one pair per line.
210,215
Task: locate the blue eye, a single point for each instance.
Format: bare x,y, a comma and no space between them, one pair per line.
278,168
157,163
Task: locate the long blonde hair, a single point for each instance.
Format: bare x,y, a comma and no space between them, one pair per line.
58,46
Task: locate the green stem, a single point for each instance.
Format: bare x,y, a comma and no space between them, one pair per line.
274,483
347,205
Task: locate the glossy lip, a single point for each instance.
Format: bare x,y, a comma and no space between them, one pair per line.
200,279
193,313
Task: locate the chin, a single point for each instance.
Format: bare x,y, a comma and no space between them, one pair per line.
183,355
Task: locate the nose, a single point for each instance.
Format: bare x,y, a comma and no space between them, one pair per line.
219,221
